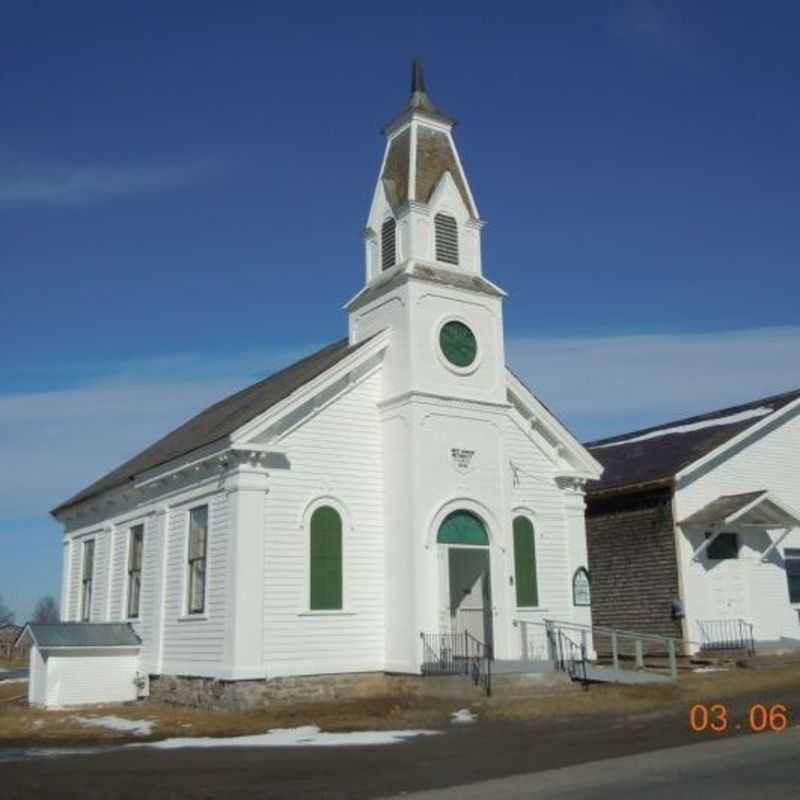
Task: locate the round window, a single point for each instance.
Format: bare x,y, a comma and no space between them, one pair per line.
458,343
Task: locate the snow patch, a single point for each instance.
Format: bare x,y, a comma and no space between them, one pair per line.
139,727
463,717
710,669
730,419
304,736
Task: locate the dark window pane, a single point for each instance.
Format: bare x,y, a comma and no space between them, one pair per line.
525,563
725,545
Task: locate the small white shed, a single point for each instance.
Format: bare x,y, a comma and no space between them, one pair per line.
82,663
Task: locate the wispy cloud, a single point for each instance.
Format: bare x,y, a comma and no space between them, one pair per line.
55,442
650,24
607,385
31,184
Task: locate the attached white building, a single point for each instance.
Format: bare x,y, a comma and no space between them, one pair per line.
694,530
400,481
77,663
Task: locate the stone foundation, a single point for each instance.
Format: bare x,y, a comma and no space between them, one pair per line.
242,695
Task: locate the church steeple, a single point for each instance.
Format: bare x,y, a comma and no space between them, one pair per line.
424,278
423,211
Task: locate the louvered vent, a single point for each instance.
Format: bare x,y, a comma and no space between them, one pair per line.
388,243
446,238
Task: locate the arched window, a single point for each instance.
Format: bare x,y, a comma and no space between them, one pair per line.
388,243
525,563
462,527
326,560
581,588
446,238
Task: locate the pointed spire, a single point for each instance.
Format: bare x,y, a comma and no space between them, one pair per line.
419,100
417,76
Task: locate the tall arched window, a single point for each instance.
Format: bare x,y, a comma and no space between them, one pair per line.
525,563
446,229
326,560
388,243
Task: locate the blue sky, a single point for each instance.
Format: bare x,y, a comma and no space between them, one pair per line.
182,194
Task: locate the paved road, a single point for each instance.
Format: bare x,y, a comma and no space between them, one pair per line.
13,674
765,767
459,756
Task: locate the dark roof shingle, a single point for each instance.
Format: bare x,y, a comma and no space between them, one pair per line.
220,420
657,454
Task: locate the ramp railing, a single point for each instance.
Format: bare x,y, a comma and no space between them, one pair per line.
569,655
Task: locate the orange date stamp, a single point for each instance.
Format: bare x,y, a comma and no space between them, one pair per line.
759,718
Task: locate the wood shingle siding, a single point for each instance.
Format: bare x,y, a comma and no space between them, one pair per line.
632,562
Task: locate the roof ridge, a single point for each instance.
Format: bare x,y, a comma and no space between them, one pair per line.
705,417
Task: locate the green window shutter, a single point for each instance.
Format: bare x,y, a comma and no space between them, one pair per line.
525,563
326,559
461,527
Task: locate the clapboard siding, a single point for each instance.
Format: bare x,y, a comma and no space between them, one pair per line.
151,581
194,646
336,453
747,586
538,491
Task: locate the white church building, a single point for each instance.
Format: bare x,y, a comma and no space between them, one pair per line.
401,481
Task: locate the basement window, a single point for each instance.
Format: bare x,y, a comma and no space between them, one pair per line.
724,547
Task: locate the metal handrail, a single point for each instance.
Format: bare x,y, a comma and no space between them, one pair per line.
555,630
457,654
727,634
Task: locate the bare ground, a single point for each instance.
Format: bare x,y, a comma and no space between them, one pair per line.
21,725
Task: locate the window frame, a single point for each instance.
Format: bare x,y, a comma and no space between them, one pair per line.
537,594
446,219
582,571
309,589
130,570
791,554
718,541
86,608
384,267
188,611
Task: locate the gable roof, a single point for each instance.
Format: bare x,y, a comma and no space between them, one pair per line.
83,634
220,420
655,455
9,632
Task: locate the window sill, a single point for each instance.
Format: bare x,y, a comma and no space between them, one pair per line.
334,612
193,618
531,609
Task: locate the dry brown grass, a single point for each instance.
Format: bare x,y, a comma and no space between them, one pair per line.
20,723
18,661
692,688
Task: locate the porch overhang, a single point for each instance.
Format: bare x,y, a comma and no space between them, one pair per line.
758,509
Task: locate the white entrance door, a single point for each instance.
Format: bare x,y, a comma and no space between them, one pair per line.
470,592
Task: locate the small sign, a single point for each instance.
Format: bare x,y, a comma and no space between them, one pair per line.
461,458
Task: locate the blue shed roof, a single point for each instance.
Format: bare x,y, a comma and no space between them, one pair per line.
83,634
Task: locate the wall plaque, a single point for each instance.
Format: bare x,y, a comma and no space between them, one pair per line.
461,458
